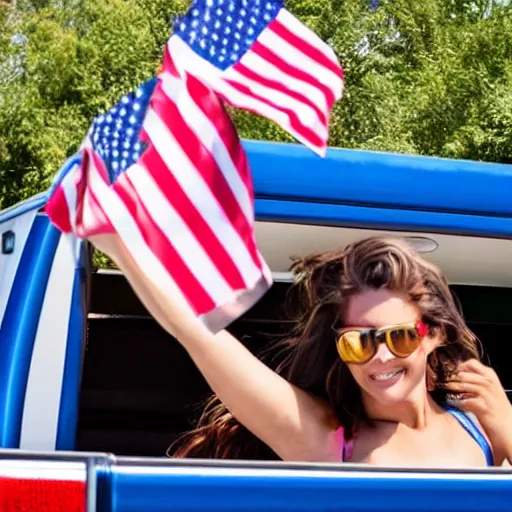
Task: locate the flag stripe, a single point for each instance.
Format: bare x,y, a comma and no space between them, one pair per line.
92,219
68,186
294,55
175,196
285,100
198,186
271,56
288,116
61,216
217,119
62,201
221,123
268,78
288,27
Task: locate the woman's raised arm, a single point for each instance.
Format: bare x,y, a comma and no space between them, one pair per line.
294,423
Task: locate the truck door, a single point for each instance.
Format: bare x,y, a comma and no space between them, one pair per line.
42,307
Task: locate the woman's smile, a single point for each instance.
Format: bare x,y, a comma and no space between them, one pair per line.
388,378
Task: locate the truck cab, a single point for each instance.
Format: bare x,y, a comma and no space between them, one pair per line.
85,369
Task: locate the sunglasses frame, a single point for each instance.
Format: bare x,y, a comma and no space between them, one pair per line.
383,335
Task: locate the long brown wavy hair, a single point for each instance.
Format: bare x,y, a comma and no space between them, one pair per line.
323,284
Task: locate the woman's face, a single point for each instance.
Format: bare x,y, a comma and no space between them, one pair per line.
386,379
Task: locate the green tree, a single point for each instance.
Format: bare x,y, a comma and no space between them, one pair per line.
431,77
76,60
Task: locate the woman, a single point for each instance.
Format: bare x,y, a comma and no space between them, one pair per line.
379,349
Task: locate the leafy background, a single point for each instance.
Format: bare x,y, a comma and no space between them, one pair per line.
429,77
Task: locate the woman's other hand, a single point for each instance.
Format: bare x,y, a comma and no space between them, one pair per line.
481,393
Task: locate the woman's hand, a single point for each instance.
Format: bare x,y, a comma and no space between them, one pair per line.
481,393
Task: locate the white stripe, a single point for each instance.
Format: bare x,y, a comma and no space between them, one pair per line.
205,131
68,185
306,115
268,70
175,229
44,386
300,30
9,263
300,60
187,60
89,220
201,196
34,469
129,233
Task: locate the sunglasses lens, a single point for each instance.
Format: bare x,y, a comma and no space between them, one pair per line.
403,341
356,346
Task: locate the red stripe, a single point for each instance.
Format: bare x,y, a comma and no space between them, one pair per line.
214,110
100,222
168,64
41,495
203,161
278,86
58,211
86,200
175,195
295,122
276,60
302,44
161,246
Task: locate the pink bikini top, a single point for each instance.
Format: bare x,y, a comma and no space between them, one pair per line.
345,446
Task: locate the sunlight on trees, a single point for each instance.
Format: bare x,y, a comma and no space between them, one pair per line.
430,78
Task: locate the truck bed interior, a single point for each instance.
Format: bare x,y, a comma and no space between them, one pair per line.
140,389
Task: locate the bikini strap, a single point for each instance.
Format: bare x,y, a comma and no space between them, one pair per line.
345,445
470,426
348,447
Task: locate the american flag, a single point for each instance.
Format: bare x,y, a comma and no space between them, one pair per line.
165,170
257,56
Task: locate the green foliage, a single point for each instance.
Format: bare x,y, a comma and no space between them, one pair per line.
431,77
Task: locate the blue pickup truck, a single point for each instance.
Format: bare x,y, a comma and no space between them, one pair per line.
93,391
